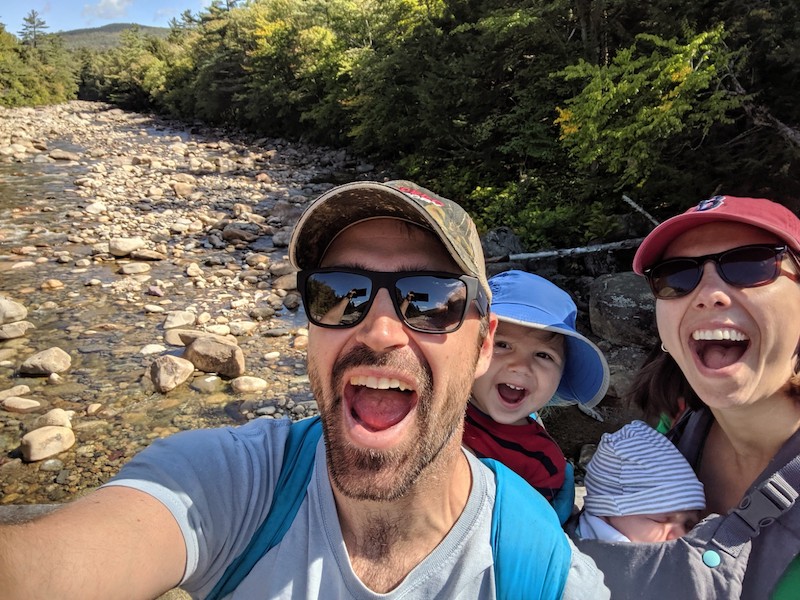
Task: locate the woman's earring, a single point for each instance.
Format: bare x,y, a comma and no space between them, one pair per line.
664,348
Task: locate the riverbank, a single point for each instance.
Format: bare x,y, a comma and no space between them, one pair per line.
210,215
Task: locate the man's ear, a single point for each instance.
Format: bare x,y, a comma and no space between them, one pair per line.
487,348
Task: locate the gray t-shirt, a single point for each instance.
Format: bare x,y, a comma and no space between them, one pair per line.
218,484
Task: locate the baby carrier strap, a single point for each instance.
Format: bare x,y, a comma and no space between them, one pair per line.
532,558
739,555
531,554
777,542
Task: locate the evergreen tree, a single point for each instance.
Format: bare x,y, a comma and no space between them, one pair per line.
33,27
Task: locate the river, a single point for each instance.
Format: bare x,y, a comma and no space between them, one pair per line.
110,323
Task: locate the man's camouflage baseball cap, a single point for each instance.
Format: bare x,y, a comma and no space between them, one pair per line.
348,204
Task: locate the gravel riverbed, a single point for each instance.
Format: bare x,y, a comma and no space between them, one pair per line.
206,216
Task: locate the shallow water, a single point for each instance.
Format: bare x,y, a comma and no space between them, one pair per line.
103,327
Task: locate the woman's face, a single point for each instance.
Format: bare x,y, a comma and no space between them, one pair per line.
762,323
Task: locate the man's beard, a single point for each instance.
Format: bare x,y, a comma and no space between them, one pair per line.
385,475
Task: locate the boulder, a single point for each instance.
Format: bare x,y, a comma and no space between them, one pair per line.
212,356
52,360
168,372
46,442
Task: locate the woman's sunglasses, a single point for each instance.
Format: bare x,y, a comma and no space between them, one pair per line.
743,267
426,301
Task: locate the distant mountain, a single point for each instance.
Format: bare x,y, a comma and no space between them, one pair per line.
105,37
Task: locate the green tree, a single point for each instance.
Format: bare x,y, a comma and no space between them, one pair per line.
135,71
32,28
628,115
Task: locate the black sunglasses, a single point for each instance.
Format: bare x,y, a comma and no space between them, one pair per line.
426,301
742,267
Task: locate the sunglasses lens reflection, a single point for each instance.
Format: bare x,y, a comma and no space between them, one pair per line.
429,303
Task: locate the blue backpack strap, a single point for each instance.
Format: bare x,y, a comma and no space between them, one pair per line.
531,553
564,500
290,491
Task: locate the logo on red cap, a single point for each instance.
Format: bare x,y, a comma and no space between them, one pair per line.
420,196
711,203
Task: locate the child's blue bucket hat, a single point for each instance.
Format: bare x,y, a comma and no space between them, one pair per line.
531,301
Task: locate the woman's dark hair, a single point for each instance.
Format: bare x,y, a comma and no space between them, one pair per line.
659,385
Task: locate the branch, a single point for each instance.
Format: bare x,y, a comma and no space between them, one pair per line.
640,209
624,244
760,115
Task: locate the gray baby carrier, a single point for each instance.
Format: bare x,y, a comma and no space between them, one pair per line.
739,555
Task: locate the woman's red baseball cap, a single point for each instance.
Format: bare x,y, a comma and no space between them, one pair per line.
759,212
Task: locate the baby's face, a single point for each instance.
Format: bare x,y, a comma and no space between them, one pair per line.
524,373
655,528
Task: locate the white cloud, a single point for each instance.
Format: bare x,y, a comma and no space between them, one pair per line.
107,9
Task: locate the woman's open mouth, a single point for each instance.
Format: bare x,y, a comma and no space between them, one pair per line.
719,348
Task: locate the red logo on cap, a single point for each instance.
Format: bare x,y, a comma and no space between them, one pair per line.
420,196
711,203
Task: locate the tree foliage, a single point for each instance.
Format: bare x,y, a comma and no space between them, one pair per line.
629,115
536,114
37,71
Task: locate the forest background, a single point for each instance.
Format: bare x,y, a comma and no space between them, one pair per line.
537,115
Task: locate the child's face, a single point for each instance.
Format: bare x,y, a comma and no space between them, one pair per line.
524,373
655,528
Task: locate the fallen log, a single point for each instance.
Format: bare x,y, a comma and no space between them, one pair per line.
621,245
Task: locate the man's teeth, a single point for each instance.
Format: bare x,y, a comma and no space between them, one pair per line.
379,383
720,334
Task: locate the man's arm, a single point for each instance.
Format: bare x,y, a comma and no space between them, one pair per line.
116,542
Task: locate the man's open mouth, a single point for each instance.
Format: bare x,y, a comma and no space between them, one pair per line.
719,348
378,403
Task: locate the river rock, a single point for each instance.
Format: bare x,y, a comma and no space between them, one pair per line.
55,416
187,336
168,372
135,268
182,190
46,442
212,356
14,330
242,327
149,349
220,329
52,360
11,311
207,384
146,254
17,390
248,384
16,404
179,318
194,270
124,246
52,284
59,154
96,208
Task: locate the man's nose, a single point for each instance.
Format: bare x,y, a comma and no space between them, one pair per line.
381,328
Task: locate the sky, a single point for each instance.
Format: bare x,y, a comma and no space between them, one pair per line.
65,15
